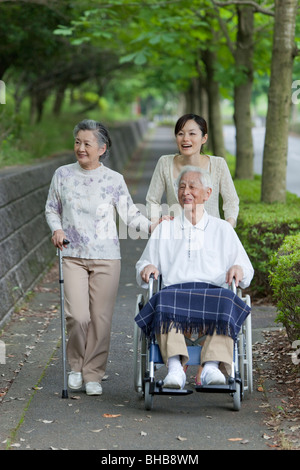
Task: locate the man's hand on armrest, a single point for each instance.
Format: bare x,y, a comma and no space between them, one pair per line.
235,272
147,271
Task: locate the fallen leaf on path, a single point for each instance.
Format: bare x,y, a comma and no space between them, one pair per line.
108,415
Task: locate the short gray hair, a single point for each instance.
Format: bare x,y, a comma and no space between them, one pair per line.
204,176
100,132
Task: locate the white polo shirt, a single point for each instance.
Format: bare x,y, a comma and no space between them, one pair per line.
183,252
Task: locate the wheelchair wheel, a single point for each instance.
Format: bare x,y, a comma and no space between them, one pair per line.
237,397
245,357
139,349
148,397
248,336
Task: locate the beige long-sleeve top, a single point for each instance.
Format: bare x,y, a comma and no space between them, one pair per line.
163,181
84,203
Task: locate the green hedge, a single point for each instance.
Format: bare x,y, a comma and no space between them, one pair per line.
262,228
285,282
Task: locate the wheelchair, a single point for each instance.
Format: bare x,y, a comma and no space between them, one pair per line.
147,360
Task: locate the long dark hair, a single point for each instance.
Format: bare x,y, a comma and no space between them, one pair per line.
191,117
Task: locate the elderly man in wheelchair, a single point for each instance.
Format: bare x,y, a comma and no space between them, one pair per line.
198,257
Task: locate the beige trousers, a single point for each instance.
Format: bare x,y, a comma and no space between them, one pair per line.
215,348
90,291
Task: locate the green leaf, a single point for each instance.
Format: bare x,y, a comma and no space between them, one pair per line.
127,58
63,31
140,58
78,41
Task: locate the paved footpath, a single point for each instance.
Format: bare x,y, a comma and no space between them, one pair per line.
33,415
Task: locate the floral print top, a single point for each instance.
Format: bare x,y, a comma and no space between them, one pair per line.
83,203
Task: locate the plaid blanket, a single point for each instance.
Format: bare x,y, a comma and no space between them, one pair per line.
194,307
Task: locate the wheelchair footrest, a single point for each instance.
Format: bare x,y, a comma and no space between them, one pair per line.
158,389
172,391
227,388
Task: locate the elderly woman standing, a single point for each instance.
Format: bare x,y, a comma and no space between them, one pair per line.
81,204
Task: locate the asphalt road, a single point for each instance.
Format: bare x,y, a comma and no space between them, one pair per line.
35,417
293,160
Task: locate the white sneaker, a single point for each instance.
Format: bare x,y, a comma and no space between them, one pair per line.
212,376
75,380
175,379
93,388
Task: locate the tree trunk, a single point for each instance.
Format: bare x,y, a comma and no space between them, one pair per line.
188,97
196,95
279,102
215,127
59,99
195,98
37,102
242,94
203,101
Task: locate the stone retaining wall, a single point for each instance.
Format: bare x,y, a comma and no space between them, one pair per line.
25,247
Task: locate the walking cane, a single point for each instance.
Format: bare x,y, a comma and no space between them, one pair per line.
62,316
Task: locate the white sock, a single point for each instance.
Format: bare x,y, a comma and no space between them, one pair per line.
174,363
210,365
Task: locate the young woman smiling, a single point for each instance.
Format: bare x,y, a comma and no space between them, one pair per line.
191,134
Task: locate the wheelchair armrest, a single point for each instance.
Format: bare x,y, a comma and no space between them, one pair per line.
151,284
237,291
233,286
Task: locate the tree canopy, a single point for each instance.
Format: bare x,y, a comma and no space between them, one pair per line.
178,55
